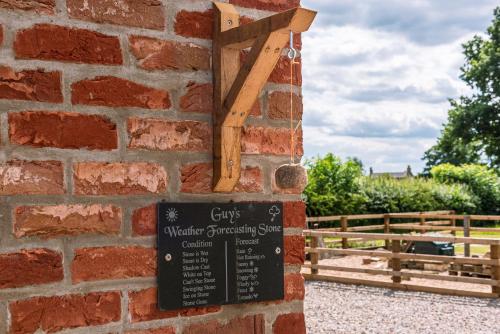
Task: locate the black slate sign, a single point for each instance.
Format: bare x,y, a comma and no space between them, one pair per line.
219,253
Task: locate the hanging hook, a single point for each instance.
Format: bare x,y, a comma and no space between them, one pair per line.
292,52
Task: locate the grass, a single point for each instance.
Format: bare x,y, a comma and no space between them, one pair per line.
477,249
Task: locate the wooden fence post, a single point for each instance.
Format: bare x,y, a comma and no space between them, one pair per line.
495,269
396,262
466,234
422,222
453,223
387,230
314,256
343,228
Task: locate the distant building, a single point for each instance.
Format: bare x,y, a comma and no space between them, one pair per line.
396,175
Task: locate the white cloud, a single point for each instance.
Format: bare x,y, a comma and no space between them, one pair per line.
378,75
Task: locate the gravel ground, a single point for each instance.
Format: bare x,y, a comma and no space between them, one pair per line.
338,308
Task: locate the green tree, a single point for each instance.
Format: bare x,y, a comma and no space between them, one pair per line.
472,132
333,186
484,183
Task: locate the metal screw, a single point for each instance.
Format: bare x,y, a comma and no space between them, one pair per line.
278,250
168,257
230,22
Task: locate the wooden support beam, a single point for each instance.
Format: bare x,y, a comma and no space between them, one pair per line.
235,88
297,20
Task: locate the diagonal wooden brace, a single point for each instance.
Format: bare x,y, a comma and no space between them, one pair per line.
236,89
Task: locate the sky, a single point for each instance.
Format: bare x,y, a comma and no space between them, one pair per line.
377,76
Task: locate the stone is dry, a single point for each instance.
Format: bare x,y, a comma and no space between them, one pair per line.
156,54
100,263
294,249
31,178
62,130
197,178
260,140
134,13
134,178
53,42
37,6
55,313
30,267
117,92
252,324
73,219
165,135
143,306
30,85
290,323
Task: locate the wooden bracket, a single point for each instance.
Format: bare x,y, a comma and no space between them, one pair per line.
236,89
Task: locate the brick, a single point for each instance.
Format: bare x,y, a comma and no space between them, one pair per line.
165,135
271,5
62,130
260,140
143,306
37,6
294,287
52,42
134,178
30,85
117,92
294,249
30,267
252,324
72,219
194,24
156,54
101,263
144,221
294,214
162,330
281,73
197,178
134,13
55,313
31,178
290,323
199,98
279,106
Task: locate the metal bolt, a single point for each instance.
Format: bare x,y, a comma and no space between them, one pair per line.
278,250
168,257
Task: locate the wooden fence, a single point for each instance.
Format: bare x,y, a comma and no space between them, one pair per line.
395,253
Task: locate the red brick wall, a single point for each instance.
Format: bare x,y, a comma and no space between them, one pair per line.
105,109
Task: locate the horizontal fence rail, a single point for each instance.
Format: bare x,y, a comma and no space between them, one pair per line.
442,221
